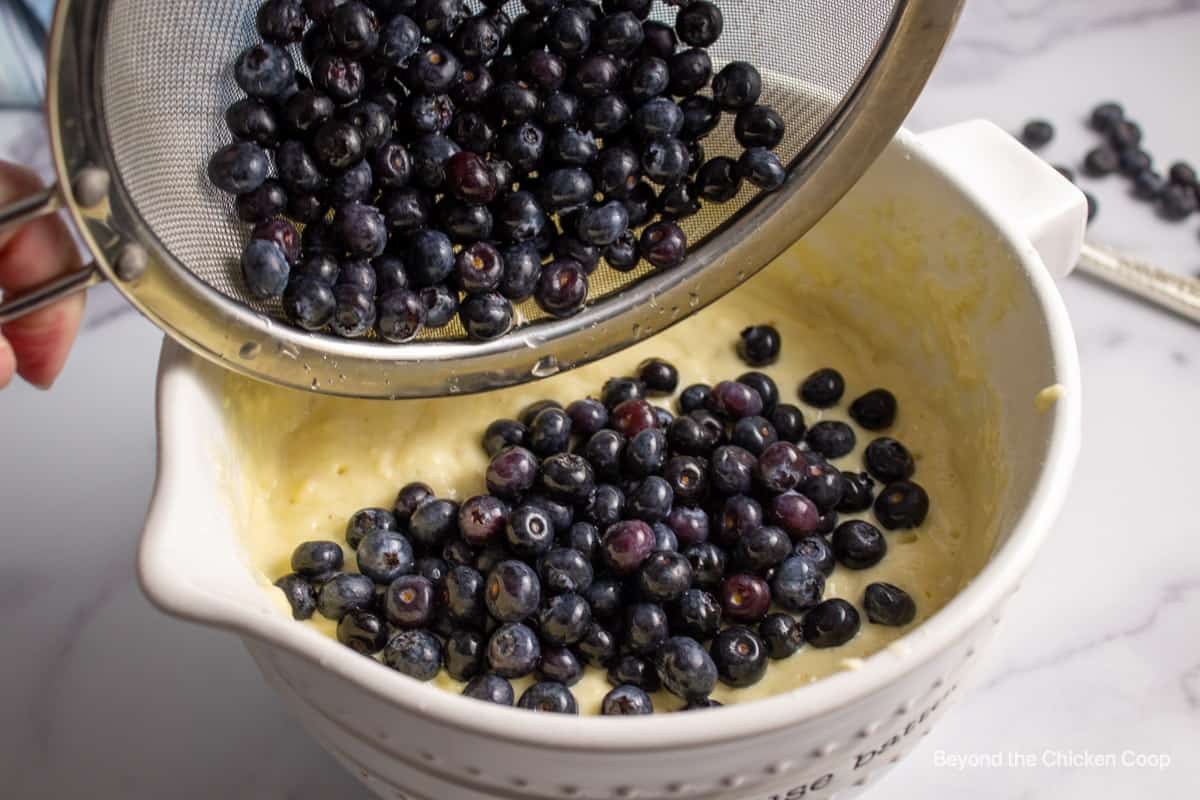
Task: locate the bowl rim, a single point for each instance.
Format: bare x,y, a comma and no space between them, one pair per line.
165,586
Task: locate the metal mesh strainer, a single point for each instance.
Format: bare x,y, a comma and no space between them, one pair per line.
136,100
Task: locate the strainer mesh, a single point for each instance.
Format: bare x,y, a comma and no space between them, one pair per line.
167,78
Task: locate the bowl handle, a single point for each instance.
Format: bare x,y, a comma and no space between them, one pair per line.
1016,186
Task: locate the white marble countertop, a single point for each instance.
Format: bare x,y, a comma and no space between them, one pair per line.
1100,652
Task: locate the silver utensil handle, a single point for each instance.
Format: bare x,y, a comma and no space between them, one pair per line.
29,208
1176,293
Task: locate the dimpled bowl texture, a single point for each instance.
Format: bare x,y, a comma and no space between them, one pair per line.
914,259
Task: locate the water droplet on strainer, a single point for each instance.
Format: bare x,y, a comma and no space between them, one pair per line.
693,299
741,276
637,330
305,366
316,384
452,385
545,367
675,312
250,351
289,350
342,377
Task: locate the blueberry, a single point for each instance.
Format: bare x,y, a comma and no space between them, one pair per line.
732,400
344,593
572,147
352,186
858,492
658,117
530,531
481,520
594,77
559,109
587,416
488,557
512,473
406,211
645,453
340,77
561,665
309,303
888,460
816,549
401,316
766,387
430,155
634,671
687,478
701,116
564,619
429,113
737,86
602,225
384,555
691,525
300,595
731,470
359,274
549,696
250,119
1102,160
239,168
430,258
664,577
598,647
463,656
354,29
875,410
522,268
458,552
646,628
264,70
486,316
434,69
282,21
719,180
858,544
789,423
416,653
762,168
317,560
1183,174
798,584
626,545
694,397
490,688
1124,134
762,549
362,631
822,484
759,126
740,656
566,188
696,614
513,651
886,604
435,569
781,467
519,217
708,565
745,598
410,601
550,432
665,160
464,595
568,478
626,700
433,523
659,39
1179,202
1105,116
795,513
1037,133
903,504
739,515
464,222
782,634
474,132
571,248
565,570
362,230
831,438
1148,184
606,598
830,624
607,506
640,203
753,434
410,497
648,78
267,201
651,500
691,71
562,288
522,145
679,201
603,451
1133,160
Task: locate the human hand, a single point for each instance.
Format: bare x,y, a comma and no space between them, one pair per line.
35,346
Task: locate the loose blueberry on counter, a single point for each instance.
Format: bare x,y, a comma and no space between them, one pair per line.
344,593
858,544
664,577
903,504
798,583
463,656
409,601
635,671
513,651
564,619
433,523
1133,160
1037,133
318,560
626,700
1105,116
416,653
513,591
782,634
383,556
788,421
1100,161
1183,174
889,460
831,438
1148,184
362,631
1125,133
740,656
886,604
875,410
560,664
1179,202
490,688
696,614
831,624
463,595
745,598
300,595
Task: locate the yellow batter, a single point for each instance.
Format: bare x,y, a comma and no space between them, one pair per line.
309,461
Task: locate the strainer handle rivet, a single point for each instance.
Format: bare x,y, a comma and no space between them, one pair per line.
90,186
131,262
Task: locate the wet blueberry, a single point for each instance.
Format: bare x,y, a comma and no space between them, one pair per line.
816,548
433,523
665,160
788,421
699,23
858,544
694,397
408,499
690,71
463,656
831,624
875,410
740,656
798,584
759,126
886,604
513,591
561,665
831,438
687,477
512,473
719,180
598,647
384,555
530,531
309,303
781,467
415,653
762,168
658,376
739,515
435,569
708,565
513,651
344,593
650,500
464,595
903,504
626,545
888,460
731,470
664,577
340,77
410,601
691,525
795,513
858,492
645,453
565,570
264,70
300,595
646,628
362,631
564,619
603,451
605,596
782,634
239,168
486,316
267,201
745,598
753,434
317,560
458,553
481,520
562,288
697,614
522,268
733,400
766,387
761,549
626,700
491,689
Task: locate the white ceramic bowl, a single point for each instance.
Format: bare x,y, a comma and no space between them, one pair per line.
986,224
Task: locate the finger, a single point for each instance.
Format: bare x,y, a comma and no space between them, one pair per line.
29,256
8,363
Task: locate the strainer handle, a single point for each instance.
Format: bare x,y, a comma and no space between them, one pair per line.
39,204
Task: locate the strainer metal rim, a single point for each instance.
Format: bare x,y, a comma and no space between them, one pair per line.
239,338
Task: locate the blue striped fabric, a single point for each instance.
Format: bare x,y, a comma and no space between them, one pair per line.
23,26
